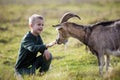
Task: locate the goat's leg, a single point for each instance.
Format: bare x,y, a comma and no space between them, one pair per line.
107,62
101,63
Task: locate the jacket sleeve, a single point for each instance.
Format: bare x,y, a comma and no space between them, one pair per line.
32,47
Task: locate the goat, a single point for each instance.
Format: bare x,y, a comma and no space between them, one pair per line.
102,38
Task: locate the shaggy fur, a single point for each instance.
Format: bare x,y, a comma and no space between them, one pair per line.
102,38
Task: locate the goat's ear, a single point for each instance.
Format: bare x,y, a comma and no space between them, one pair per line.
58,26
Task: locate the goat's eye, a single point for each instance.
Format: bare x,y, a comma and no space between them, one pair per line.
60,29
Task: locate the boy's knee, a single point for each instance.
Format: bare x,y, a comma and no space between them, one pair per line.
47,55
50,59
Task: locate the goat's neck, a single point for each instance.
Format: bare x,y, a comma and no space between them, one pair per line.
77,31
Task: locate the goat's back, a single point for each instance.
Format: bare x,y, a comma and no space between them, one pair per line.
105,35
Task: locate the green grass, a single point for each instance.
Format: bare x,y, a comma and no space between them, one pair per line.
69,63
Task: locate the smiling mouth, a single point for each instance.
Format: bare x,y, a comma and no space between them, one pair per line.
40,29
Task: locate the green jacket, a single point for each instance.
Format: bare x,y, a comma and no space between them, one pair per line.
30,46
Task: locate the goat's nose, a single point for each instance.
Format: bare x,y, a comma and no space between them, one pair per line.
58,40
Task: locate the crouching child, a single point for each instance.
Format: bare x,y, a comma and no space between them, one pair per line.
28,61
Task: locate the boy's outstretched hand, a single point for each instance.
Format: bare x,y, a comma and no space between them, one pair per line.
51,44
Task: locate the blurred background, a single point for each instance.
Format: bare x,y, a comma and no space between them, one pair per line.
70,62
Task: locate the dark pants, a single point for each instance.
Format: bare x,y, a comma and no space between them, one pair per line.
40,63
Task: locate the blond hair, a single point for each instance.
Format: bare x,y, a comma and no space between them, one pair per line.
33,17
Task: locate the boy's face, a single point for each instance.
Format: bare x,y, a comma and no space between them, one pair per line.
37,26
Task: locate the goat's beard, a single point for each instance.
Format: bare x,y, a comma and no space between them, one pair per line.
65,42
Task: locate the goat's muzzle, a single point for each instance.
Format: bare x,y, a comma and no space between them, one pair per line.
60,42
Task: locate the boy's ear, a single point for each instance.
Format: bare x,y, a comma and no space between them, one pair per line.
30,25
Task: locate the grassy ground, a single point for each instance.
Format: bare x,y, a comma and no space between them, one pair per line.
69,63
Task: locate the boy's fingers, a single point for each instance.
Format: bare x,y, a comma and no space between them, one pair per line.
54,42
51,44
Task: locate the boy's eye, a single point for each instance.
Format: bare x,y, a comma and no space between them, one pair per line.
40,24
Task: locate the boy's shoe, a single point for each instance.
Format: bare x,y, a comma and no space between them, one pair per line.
18,76
41,73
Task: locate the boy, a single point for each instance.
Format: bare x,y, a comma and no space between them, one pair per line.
31,44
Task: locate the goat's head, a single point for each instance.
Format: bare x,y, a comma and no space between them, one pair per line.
63,35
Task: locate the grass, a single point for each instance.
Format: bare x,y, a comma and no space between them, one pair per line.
69,63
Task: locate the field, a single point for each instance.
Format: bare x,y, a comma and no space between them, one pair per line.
71,61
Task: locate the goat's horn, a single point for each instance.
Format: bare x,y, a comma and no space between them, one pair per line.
67,16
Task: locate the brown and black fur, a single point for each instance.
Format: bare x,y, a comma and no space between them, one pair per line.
102,38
